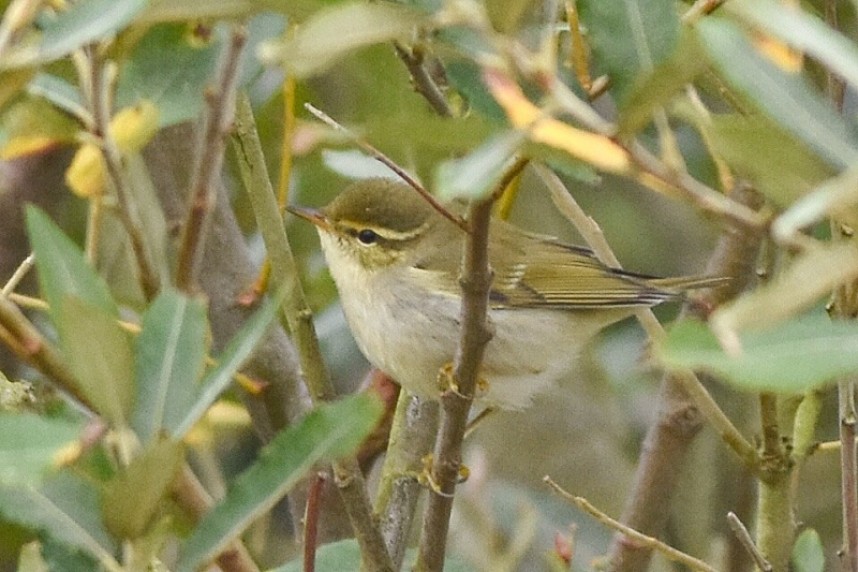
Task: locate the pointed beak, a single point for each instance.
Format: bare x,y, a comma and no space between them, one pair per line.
314,216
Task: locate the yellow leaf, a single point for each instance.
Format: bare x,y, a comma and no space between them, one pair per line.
85,175
593,148
25,145
133,127
780,54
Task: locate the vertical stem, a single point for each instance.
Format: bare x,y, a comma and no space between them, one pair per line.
848,470
476,281
775,526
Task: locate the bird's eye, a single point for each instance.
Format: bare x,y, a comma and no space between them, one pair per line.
367,236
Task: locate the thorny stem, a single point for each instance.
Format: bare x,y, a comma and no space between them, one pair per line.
209,160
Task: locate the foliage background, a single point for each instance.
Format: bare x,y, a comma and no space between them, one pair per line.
760,116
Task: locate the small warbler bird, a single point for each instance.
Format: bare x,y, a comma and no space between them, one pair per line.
396,262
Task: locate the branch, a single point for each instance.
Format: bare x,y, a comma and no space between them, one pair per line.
209,161
414,60
747,542
447,459
298,316
638,538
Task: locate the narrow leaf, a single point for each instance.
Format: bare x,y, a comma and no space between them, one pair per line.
630,38
837,196
63,272
132,497
473,176
779,165
804,32
786,98
66,508
328,432
176,89
82,23
99,353
170,355
337,31
808,554
30,445
802,354
345,555
236,352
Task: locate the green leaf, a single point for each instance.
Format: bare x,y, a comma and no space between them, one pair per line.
170,357
804,32
660,86
328,432
799,355
177,89
475,175
237,351
99,353
82,23
630,38
337,31
808,554
66,508
345,555
30,444
133,496
59,92
63,272
466,77
779,165
788,99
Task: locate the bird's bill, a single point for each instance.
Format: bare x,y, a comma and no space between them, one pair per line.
314,216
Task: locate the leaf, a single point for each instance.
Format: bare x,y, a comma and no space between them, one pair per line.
808,554
799,355
835,197
30,445
177,89
810,276
99,354
328,432
33,124
82,23
657,88
66,508
63,272
804,32
593,148
237,351
133,496
786,98
475,175
337,31
780,166
629,38
59,92
170,356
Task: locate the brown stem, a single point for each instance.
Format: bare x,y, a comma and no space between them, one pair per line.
99,89
848,472
311,521
414,60
668,440
447,460
217,121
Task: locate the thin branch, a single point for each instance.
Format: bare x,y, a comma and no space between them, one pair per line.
594,237
389,163
412,433
311,521
297,314
18,275
456,403
741,532
848,472
99,87
414,60
220,102
700,8
637,537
